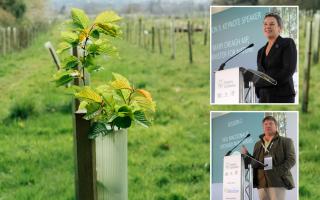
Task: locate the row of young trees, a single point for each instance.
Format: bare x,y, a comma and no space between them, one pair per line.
163,35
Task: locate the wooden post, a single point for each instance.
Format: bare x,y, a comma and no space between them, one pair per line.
19,38
205,37
8,39
84,151
25,37
30,36
192,32
305,92
315,40
4,46
153,38
15,44
164,34
11,38
148,38
173,40
144,36
304,24
128,30
140,31
132,31
159,40
190,42
134,34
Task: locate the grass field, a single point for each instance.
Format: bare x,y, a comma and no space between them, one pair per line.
169,161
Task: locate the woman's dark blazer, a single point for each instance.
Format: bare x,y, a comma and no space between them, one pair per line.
282,62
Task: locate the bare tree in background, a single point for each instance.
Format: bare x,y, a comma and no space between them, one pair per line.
37,8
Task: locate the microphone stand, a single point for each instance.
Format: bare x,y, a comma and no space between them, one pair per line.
229,152
252,158
223,64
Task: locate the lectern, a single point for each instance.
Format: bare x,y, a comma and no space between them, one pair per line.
237,180
232,86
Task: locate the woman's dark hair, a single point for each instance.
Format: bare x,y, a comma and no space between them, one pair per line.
270,118
276,16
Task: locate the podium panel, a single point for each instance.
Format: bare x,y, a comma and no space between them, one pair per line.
228,86
232,177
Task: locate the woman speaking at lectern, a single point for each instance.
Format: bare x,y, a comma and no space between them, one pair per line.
277,59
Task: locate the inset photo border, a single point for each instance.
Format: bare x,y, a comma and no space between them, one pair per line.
230,131
241,69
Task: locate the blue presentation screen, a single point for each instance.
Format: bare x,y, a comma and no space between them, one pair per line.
227,131
233,30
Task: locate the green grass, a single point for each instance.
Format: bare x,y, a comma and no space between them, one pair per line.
309,133
168,161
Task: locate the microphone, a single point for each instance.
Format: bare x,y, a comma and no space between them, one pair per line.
229,152
252,158
223,64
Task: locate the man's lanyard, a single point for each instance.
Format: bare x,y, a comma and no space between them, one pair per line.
267,149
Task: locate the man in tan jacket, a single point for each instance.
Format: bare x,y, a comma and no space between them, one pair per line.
278,152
